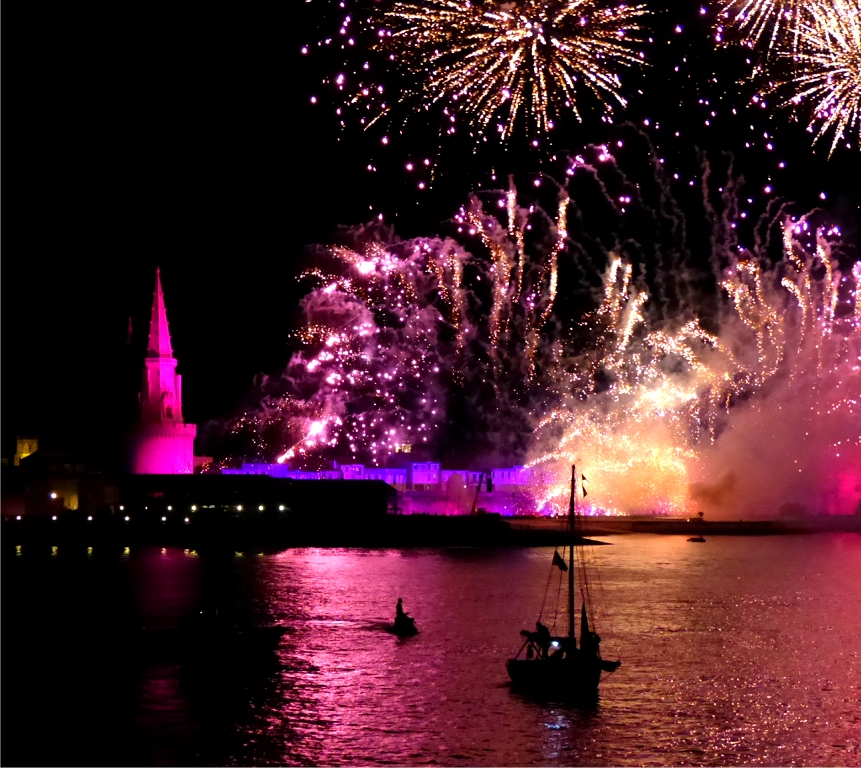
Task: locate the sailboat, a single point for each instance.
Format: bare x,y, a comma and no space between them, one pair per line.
560,668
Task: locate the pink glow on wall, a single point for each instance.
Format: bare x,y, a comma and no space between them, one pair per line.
161,443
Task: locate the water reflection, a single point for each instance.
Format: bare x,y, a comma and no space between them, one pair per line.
737,652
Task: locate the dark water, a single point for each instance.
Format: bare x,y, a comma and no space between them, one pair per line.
739,651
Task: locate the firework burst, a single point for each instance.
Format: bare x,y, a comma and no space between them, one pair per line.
755,20
813,59
393,326
673,410
826,64
522,61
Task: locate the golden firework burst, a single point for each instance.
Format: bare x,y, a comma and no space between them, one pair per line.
826,69
775,20
528,60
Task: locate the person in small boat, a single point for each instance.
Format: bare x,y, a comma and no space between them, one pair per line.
540,638
590,641
401,615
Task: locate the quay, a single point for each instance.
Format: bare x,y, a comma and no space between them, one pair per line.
214,529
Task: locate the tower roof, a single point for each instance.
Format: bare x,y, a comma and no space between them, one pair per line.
159,336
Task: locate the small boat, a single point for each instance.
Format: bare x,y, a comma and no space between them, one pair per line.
561,668
403,627
698,539
404,624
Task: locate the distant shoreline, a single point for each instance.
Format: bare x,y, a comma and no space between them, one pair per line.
390,531
607,525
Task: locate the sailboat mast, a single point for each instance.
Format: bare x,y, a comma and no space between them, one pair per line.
572,511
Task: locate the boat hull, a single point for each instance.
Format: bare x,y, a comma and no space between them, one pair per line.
562,679
401,631
404,626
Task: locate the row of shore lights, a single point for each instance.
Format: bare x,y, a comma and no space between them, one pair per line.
127,551
128,518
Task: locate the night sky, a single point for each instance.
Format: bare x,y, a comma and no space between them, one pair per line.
187,139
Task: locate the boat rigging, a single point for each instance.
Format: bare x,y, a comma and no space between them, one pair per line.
558,667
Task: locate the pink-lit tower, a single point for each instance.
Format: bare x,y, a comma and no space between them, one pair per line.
161,443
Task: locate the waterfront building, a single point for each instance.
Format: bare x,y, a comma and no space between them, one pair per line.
283,470
161,442
27,446
397,478
511,478
424,476
424,488
46,485
468,478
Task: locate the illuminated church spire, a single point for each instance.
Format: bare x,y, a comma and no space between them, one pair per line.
161,443
159,335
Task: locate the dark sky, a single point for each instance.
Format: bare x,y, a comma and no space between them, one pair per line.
186,139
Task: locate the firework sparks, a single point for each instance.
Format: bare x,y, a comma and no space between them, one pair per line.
672,406
523,60
814,54
826,66
391,326
463,343
754,19
510,271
